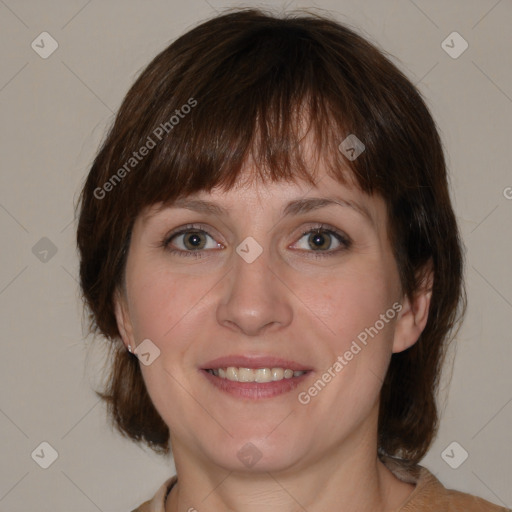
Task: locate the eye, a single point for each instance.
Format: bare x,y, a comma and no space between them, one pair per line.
190,241
321,239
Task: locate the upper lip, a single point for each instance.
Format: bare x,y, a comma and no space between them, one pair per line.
239,361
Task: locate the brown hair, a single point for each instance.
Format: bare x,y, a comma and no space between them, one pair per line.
247,77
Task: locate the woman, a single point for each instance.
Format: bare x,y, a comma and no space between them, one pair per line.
266,237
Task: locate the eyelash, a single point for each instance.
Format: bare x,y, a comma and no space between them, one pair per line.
320,228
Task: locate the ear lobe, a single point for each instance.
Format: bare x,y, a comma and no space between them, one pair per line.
413,317
123,319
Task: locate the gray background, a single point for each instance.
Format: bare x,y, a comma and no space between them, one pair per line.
54,113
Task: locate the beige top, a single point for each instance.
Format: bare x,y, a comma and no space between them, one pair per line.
429,495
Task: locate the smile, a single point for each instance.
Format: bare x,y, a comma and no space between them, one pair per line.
255,377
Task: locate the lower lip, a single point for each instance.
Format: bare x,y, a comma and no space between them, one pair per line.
255,390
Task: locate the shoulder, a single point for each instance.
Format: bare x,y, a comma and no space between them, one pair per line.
157,503
431,495
455,500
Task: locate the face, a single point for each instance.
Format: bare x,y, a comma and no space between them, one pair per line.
269,278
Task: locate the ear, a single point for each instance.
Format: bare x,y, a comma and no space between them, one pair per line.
413,316
123,319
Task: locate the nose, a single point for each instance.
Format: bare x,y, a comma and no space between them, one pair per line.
255,298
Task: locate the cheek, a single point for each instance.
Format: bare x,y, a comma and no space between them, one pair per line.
160,300
167,309
356,311
355,319
346,303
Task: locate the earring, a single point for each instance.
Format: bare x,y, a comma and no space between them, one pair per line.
130,349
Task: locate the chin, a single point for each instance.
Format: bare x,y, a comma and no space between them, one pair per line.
257,455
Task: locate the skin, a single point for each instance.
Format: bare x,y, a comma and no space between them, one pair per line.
315,457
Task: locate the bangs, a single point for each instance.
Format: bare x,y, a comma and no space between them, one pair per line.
268,99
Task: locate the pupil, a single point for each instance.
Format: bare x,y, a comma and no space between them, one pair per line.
194,240
318,239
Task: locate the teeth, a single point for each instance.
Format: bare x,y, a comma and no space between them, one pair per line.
277,373
259,375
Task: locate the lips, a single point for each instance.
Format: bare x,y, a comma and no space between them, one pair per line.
255,390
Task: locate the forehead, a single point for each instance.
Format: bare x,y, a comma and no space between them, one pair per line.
277,198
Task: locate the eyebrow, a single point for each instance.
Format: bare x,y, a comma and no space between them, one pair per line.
295,207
